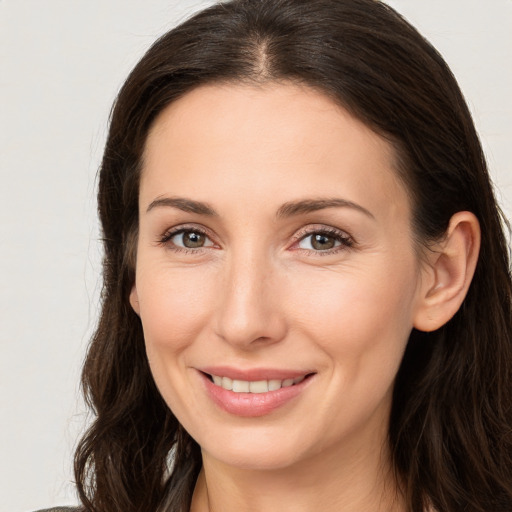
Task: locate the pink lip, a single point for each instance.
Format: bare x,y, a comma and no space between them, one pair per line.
253,404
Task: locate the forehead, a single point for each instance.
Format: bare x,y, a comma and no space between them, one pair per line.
287,140
291,110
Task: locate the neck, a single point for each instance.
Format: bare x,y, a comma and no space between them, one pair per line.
361,480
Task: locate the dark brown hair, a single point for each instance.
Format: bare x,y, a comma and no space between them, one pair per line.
451,420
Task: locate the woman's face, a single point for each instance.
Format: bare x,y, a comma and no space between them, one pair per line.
275,257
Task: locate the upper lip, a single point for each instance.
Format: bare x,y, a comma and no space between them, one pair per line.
253,374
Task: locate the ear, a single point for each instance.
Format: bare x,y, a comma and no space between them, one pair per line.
134,300
448,273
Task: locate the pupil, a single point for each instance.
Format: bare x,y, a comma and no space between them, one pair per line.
193,240
322,242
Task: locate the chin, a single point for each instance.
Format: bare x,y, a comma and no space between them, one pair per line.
253,450
269,459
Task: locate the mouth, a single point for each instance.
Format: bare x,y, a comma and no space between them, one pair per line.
254,386
255,397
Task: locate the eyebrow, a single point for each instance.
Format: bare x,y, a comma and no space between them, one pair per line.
181,203
313,205
286,210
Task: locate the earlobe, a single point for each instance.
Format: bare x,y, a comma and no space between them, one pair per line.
449,272
134,300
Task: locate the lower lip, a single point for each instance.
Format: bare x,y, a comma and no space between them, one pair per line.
252,404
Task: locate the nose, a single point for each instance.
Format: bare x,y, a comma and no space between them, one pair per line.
249,313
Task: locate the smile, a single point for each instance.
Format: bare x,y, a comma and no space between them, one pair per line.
258,394
256,386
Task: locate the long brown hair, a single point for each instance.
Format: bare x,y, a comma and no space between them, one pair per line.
451,420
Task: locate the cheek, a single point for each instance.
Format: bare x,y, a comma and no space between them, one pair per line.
175,304
362,328
360,319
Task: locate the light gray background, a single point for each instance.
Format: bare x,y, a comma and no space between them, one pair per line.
62,62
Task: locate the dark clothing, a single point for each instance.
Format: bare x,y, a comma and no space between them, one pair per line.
60,509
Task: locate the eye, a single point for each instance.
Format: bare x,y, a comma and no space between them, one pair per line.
187,239
324,241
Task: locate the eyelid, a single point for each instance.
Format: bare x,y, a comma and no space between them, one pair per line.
346,240
169,233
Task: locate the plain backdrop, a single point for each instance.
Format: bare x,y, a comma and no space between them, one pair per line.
61,64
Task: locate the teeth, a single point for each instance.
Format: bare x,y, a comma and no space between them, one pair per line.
241,386
274,384
258,386
226,383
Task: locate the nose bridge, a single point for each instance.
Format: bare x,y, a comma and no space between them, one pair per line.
248,309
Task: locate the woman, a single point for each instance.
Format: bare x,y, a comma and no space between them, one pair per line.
307,293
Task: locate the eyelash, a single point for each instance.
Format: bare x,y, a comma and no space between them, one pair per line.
345,241
169,235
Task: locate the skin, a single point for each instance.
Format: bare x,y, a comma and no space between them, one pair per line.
259,294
